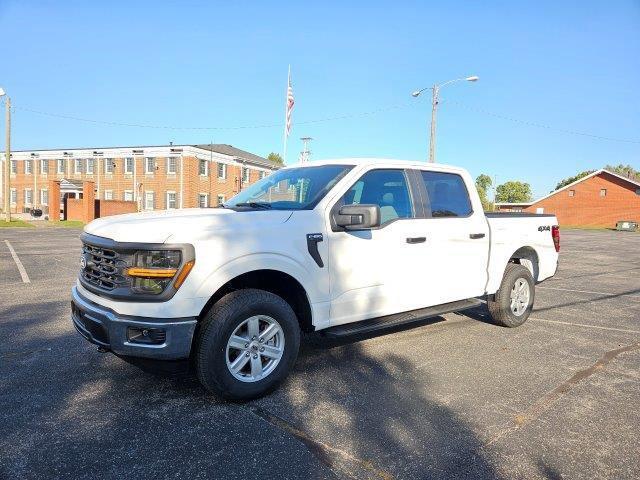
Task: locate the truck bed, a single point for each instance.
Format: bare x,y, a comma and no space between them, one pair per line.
527,231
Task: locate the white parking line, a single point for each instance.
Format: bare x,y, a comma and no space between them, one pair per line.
23,272
586,326
588,291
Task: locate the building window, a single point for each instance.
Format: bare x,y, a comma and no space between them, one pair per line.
14,196
60,166
261,175
90,163
171,200
28,196
44,166
128,195
203,168
637,191
14,167
108,165
44,196
220,199
149,201
203,200
28,167
245,174
603,192
149,165
222,171
172,165
78,166
572,193
128,165
108,194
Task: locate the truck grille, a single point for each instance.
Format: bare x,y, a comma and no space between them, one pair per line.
103,267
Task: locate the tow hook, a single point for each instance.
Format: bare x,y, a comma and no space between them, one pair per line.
102,350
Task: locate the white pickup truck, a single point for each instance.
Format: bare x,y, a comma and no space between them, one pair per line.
339,246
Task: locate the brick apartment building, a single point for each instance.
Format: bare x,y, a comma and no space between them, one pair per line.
154,177
598,200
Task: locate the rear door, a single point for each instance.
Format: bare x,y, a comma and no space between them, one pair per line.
453,260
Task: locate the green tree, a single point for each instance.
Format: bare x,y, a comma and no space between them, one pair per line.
513,192
624,170
566,181
483,184
275,158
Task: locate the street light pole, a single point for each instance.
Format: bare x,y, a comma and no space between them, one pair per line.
434,111
7,162
435,99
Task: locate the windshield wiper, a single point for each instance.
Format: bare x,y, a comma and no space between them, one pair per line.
263,206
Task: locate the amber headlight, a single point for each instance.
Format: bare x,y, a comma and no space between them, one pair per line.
154,270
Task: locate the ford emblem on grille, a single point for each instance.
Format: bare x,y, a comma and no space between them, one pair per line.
83,262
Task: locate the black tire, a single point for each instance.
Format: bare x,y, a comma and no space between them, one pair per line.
500,304
216,329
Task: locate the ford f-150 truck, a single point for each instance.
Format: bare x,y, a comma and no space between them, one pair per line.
339,246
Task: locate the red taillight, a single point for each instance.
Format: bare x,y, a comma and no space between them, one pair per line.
555,234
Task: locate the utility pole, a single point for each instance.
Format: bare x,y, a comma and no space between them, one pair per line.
435,99
434,110
7,162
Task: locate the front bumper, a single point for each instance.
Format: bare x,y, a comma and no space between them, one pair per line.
171,336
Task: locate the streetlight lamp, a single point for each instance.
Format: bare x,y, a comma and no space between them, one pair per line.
434,106
7,163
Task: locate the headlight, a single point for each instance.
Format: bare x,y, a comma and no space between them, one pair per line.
154,270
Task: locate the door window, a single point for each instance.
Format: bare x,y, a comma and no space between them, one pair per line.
447,193
386,188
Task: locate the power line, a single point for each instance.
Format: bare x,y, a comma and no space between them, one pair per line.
540,125
241,127
345,116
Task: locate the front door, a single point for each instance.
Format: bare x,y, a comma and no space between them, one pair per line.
370,269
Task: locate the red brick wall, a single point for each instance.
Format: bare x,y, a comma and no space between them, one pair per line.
588,208
54,200
88,202
75,209
107,208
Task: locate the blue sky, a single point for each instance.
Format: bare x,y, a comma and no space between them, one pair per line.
568,65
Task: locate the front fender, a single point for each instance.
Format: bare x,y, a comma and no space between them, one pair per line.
316,286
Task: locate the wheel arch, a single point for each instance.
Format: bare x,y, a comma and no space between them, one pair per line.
529,258
275,281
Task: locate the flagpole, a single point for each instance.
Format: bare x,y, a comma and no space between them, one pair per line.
286,107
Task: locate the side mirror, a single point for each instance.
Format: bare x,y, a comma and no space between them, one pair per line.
358,217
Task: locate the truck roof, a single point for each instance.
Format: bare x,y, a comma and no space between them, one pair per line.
379,161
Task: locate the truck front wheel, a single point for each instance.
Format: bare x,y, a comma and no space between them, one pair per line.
246,344
512,303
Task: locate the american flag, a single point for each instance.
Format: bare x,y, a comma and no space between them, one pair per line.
289,109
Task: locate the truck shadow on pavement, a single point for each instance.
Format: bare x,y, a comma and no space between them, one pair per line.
347,410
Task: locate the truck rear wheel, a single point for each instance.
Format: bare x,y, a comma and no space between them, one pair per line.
512,303
247,344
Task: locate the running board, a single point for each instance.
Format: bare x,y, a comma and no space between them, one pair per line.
404,318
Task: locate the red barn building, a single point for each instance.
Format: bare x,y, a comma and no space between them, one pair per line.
600,199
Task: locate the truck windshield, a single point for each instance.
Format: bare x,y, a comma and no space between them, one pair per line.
298,188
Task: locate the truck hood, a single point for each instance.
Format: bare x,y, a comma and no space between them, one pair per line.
181,225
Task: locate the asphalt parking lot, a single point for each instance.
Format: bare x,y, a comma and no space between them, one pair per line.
555,398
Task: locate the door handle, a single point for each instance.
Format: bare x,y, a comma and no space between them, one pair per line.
475,236
416,239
